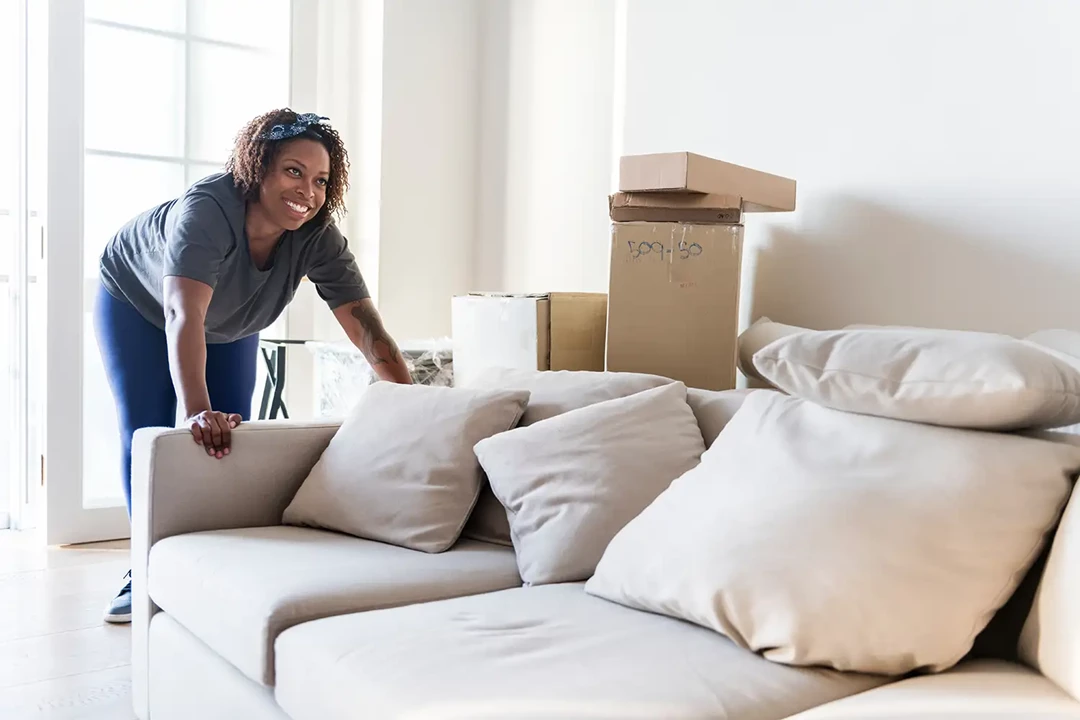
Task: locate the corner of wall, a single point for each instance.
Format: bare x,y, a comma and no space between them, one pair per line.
618,80
493,91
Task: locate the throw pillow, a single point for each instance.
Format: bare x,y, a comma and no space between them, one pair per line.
818,537
953,378
552,392
401,468
571,482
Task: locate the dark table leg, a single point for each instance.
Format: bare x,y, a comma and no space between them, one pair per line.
279,387
268,386
274,387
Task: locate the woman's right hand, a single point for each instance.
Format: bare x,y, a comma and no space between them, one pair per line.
186,302
213,430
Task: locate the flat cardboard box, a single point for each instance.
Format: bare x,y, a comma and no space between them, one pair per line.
530,331
685,172
673,301
701,208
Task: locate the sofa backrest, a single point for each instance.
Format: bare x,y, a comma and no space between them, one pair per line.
1050,639
713,409
1047,605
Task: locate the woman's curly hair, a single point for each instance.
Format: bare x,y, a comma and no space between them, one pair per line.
253,155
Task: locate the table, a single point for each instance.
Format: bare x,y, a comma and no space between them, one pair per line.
430,363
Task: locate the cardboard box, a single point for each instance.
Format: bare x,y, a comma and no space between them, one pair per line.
704,208
531,331
685,172
673,301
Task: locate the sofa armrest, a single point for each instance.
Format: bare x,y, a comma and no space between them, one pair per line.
176,488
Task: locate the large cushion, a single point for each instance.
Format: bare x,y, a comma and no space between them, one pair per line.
1050,639
960,379
982,690
538,653
821,537
401,468
551,393
571,482
237,589
1001,638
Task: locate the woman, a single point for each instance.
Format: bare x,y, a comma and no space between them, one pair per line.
187,286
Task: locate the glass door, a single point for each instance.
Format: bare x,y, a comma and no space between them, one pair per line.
12,272
22,92
145,98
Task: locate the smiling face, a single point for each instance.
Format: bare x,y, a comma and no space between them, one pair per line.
294,189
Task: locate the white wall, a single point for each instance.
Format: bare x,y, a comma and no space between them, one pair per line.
430,116
545,145
934,142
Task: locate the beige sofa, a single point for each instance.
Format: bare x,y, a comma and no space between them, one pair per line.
238,616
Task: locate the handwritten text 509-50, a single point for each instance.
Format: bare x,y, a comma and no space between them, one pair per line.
684,250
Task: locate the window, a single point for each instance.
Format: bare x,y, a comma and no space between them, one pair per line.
168,84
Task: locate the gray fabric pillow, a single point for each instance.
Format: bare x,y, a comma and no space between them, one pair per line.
552,392
571,482
401,468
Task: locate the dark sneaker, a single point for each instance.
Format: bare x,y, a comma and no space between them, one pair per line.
119,610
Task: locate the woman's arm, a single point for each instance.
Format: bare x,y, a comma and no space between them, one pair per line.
364,326
185,302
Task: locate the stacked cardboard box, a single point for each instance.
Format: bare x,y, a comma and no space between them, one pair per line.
676,262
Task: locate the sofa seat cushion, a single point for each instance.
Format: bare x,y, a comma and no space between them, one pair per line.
545,651
236,590
984,689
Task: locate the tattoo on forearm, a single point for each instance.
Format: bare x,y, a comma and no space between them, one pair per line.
380,346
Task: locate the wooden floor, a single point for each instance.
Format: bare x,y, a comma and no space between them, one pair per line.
58,659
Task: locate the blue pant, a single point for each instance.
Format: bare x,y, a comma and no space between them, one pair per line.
136,359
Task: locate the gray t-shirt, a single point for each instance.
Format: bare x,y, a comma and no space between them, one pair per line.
201,236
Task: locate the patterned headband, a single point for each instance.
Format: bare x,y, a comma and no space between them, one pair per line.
303,124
